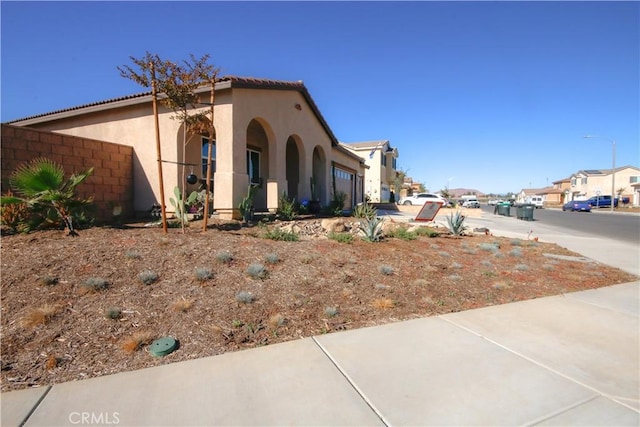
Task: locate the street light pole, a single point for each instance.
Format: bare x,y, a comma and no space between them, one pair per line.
613,168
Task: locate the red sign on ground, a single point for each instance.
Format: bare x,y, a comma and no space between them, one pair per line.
428,211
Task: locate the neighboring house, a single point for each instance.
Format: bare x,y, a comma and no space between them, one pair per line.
381,158
552,196
595,182
562,187
268,133
526,193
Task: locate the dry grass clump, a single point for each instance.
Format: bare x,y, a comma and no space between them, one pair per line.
182,305
500,286
39,316
51,363
276,321
383,303
136,341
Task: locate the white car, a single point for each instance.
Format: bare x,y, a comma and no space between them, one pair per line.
421,198
471,203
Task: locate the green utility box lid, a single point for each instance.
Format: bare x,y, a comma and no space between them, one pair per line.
163,346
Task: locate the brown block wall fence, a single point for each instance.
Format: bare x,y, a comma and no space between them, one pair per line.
111,183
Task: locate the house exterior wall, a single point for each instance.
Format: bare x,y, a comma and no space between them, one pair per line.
378,178
277,115
110,185
601,184
134,127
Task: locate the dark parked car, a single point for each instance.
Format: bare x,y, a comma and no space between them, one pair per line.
577,205
602,202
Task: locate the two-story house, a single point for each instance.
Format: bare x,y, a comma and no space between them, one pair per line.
381,161
595,182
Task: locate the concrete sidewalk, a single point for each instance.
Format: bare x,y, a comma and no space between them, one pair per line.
571,359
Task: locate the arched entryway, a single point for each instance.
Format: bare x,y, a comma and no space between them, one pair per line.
294,152
319,174
194,158
257,162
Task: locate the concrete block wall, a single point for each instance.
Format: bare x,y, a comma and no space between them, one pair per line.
111,183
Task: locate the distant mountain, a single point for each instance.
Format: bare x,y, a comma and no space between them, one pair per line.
457,192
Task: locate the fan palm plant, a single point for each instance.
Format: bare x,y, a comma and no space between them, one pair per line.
41,184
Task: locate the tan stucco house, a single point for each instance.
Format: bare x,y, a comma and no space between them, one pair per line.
588,183
269,133
381,161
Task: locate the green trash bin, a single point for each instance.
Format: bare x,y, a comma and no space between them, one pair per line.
527,212
504,209
519,211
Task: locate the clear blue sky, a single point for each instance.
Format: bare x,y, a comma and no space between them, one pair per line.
494,96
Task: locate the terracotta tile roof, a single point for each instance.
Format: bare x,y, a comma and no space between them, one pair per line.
81,107
231,81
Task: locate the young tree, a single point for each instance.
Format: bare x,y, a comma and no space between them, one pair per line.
41,183
177,85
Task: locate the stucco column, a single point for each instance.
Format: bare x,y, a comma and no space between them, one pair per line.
277,182
230,180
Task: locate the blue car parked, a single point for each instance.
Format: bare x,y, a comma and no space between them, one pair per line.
577,205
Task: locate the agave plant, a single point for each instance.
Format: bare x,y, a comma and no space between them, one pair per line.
456,224
41,183
365,210
371,229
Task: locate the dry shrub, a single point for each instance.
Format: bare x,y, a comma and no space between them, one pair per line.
276,321
383,303
13,215
39,316
52,362
136,341
182,305
347,293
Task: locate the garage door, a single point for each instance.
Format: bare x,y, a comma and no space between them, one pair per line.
344,182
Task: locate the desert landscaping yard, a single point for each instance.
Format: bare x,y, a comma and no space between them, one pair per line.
75,308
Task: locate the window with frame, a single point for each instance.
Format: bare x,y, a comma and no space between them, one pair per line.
573,182
253,166
205,154
384,158
634,179
583,180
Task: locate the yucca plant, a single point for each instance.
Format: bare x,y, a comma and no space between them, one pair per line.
456,224
371,229
365,211
41,184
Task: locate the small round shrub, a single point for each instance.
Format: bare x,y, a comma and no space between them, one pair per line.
515,252
224,257
272,258
245,297
257,271
331,311
95,284
148,277
113,313
387,270
341,237
132,254
203,274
